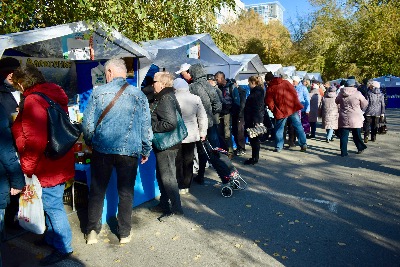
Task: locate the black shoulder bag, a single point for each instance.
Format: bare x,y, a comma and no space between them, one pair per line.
62,133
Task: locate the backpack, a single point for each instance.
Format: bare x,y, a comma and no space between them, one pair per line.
62,134
227,99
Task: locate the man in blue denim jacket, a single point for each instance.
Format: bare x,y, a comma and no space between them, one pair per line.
118,141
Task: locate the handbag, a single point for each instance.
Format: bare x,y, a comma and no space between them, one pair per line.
31,213
165,140
62,133
305,123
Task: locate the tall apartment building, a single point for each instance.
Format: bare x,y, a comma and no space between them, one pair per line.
268,11
227,14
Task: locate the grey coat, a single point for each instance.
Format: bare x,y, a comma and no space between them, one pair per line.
329,111
376,103
315,101
205,91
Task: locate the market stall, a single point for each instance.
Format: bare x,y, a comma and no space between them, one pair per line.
171,53
273,68
73,56
392,86
251,64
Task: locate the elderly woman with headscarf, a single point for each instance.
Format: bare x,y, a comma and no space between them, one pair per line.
195,117
351,104
374,111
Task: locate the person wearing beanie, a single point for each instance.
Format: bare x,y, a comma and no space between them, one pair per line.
351,105
195,117
375,110
282,100
9,96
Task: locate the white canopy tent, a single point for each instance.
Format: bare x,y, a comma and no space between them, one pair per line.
289,71
313,76
48,43
273,68
301,73
251,65
171,53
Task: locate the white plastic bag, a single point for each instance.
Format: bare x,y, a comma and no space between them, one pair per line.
31,214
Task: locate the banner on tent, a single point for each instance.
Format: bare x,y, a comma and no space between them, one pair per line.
193,50
78,46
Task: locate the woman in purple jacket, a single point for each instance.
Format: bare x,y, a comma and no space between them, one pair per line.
351,105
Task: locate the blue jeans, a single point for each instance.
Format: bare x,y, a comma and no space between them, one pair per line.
298,127
329,134
2,211
344,139
58,232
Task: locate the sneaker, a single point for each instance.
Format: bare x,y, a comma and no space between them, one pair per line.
54,257
250,161
171,217
303,148
277,150
365,139
91,238
240,152
327,140
125,240
183,191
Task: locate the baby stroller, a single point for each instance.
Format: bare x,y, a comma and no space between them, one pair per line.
229,175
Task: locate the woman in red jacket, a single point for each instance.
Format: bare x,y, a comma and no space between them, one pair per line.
30,134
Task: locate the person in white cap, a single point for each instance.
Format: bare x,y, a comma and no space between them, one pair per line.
195,117
184,72
374,111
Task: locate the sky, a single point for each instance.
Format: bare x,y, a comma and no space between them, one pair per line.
292,7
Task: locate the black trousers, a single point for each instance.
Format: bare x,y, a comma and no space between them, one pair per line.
202,160
371,121
255,147
238,132
184,165
101,168
166,178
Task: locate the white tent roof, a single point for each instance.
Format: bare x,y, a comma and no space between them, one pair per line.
170,53
301,73
389,81
251,64
289,70
273,68
313,76
47,43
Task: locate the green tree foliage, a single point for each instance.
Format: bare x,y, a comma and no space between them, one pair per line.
270,41
139,20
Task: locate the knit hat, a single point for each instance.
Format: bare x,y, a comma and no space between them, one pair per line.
269,76
180,84
376,84
350,83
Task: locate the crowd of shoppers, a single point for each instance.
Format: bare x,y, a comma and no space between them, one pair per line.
212,107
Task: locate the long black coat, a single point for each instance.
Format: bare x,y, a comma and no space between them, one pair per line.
10,170
254,108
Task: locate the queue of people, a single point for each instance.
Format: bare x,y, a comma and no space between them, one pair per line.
212,107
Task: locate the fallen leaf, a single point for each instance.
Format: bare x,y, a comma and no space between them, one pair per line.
265,244
294,250
106,240
284,258
296,221
238,245
341,244
297,242
257,241
248,206
175,237
158,233
291,222
152,248
275,254
117,260
197,257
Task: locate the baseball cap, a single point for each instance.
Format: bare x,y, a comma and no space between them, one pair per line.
184,67
210,77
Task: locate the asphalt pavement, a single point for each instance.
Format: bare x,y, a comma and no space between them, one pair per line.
299,209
